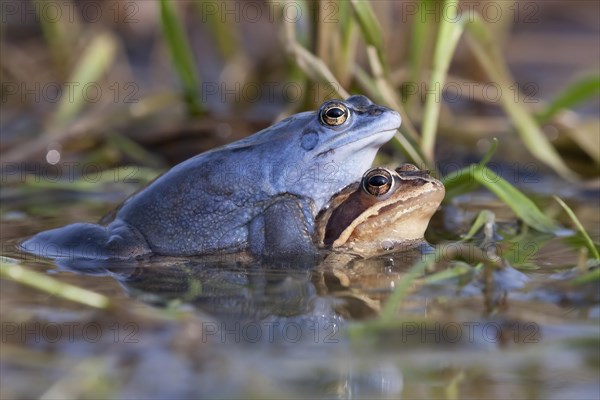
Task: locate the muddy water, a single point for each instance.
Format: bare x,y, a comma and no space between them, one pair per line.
227,328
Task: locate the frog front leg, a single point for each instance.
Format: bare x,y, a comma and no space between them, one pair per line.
284,229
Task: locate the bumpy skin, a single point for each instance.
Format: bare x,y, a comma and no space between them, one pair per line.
259,194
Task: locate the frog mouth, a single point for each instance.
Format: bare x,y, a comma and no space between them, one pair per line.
377,144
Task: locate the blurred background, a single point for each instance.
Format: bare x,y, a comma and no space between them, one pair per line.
99,97
152,83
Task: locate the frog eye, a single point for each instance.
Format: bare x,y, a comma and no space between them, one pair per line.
334,114
377,182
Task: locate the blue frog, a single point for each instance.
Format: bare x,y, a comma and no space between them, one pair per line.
259,195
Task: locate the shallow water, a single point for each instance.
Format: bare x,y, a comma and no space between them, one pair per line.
225,328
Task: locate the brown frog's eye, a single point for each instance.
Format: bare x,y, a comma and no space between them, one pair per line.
377,182
334,114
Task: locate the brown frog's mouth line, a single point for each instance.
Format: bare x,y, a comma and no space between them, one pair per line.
421,198
415,206
416,211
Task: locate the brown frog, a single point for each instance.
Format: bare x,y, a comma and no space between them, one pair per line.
386,212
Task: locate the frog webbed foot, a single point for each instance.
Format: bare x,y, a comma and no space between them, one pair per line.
87,241
79,240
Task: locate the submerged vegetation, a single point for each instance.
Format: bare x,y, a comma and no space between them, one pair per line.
188,76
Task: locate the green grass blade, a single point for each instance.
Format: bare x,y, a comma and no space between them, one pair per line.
182,56
584,132
347,26
588,277
371,32
487,53
483,217
489,153
94,62
406,139
348,39
458,270
52,286
577,93
419,40
447,39
373,37
223,32
417,43
588,240
410,148
369,25
469,178
402,288
315,68
59,36
517,201
460,182
452,390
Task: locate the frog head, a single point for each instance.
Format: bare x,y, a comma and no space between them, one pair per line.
316,154
386,210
